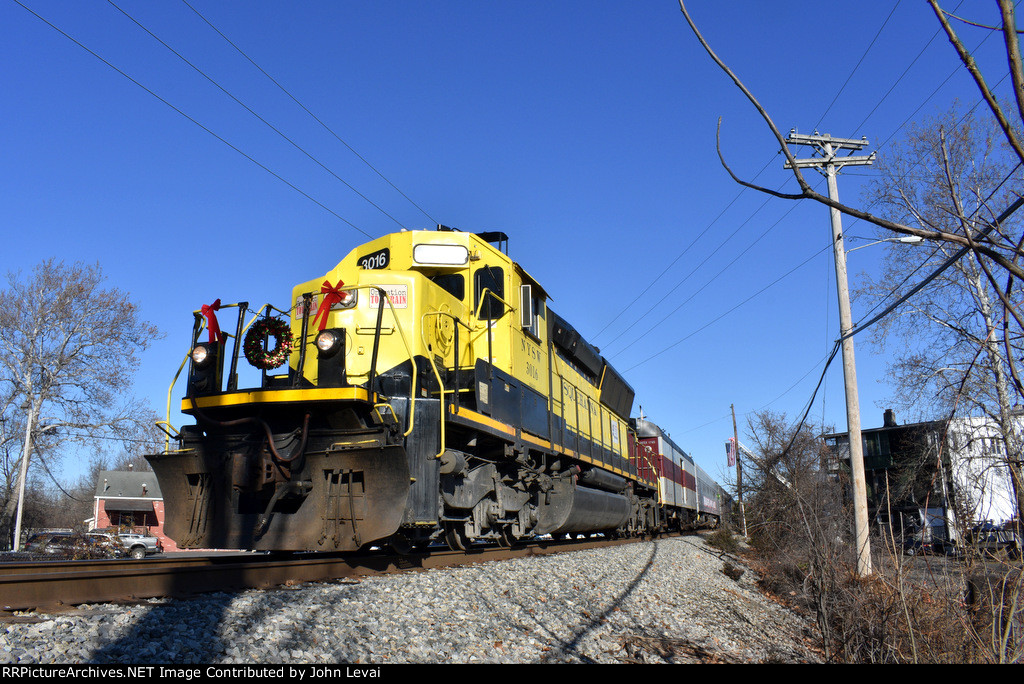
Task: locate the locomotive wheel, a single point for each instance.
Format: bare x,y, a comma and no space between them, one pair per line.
455,537
400,544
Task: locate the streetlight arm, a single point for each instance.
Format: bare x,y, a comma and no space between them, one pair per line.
907,240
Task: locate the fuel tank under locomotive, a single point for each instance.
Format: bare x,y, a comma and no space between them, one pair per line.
571,508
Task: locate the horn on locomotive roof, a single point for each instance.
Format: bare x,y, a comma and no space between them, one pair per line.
495,237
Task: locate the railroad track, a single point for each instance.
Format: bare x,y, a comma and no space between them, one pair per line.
47,586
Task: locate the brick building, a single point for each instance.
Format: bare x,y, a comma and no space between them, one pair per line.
130,500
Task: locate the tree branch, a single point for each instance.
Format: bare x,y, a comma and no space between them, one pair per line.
979,79
807,192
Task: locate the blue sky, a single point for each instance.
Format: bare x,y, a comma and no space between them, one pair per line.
584,130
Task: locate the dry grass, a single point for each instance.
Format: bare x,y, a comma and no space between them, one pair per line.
920,610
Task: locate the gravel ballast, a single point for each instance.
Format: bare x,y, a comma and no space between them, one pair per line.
664,601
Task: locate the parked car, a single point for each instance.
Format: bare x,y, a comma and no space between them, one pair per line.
139,546
914,545
991,539
74,546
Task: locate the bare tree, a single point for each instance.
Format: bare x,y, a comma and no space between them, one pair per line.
955,342
991,243
996,251
68,350
868,620
796,514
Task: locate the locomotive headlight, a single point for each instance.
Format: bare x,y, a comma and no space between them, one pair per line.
430,254
328,342
330,361
348,299
201,355
205,374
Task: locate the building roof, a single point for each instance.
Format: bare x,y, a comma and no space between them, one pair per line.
127,484
889,424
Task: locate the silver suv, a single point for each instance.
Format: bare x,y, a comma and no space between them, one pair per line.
139,546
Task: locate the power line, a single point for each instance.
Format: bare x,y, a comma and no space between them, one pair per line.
194,121
709,281
678,257
1007,213
729,311
920,161
253,112
856,67
306,109
733,201
654,306
917,109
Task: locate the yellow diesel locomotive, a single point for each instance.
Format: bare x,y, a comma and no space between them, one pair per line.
420,391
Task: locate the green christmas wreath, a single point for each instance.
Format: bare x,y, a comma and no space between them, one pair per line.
268,358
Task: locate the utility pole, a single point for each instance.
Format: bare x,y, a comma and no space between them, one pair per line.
828,163
739,469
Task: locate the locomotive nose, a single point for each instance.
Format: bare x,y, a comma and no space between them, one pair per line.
351,488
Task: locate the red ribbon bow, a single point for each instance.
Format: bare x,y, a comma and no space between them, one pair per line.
209,310
332,296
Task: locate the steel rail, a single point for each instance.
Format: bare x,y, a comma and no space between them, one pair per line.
47,586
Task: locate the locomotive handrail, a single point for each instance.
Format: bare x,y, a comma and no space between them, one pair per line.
233,370
232,381
307,303
200,324
240,329
170,393
376,342
575,401
234,356
487,292
459,322
372,373
643,452
484,294
437,375
169,430
433,365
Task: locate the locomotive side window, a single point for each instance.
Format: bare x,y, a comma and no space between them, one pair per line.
526,307
452,283
491,279
531,311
